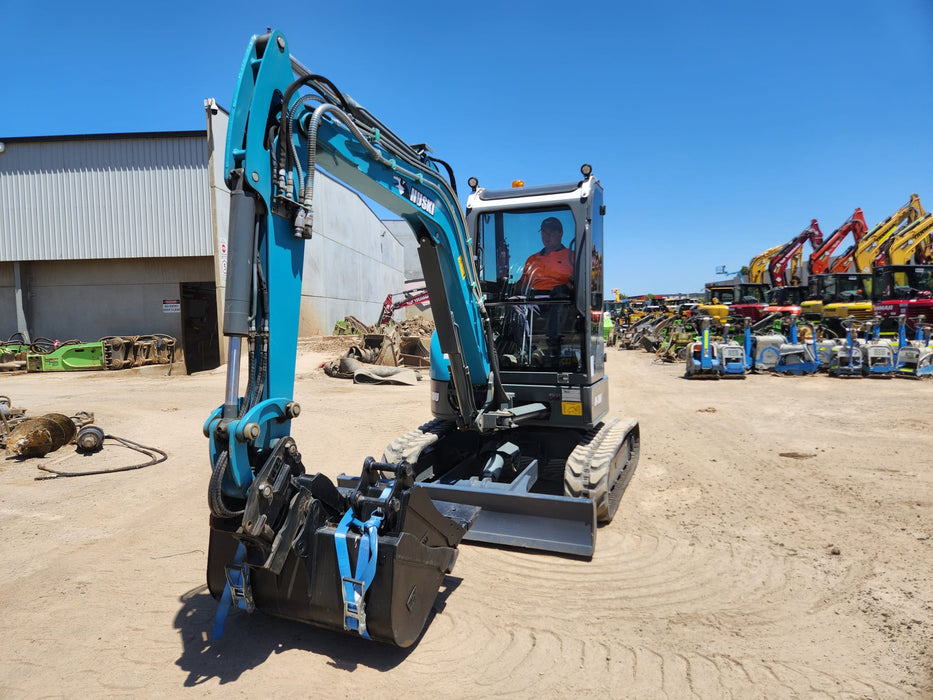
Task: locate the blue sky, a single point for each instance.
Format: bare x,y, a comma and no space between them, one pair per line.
718,128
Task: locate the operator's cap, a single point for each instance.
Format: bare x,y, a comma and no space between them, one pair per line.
552,223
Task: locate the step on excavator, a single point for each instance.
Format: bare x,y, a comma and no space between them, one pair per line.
521,452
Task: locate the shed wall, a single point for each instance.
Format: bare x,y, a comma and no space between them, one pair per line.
351,263
87,300
143,196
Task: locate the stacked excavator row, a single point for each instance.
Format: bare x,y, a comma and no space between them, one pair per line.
886,272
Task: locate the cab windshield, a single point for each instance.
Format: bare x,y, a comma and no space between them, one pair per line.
527,262
903,282
840,288
720,295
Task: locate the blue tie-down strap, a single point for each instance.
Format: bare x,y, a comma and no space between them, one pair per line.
353,588
237,589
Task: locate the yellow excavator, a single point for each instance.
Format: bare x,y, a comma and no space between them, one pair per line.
758,267
867,249
912,245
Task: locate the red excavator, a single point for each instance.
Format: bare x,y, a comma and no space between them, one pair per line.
821,259
410,297
786,267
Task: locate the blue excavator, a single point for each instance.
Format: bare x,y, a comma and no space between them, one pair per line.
520,452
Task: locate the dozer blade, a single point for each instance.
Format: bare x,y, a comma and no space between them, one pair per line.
368,561
512,515
558,524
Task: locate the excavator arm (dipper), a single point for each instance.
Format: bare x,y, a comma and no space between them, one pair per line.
868,248
821,260
913,244
790,257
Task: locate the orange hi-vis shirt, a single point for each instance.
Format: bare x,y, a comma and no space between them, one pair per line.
548,270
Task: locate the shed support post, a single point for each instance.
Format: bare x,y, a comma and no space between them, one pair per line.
21,325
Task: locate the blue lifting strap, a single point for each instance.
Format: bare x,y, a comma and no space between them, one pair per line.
353,588
223,607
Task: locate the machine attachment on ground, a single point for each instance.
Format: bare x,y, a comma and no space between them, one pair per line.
846,359
798,357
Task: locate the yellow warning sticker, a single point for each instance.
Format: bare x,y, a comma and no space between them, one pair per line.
571,408
462,268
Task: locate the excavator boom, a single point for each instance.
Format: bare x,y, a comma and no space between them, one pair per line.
788,259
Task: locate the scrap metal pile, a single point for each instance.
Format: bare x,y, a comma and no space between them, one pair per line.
110,352
385,354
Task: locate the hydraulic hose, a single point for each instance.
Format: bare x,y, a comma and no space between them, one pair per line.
216,500
156,456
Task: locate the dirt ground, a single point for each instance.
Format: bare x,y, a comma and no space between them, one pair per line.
775,542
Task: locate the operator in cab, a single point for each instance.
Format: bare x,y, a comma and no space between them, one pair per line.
549,272
551,268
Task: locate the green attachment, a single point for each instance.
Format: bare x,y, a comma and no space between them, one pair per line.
68,358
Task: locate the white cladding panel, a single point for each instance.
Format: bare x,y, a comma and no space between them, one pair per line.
129,196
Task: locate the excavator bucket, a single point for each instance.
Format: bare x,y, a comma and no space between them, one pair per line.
367,561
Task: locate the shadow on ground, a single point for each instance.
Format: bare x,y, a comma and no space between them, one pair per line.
249,640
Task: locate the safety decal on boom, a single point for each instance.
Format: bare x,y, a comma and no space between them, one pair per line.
414,195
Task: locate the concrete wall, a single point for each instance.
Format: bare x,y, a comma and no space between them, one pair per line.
219,197
403,233
89,299
351,263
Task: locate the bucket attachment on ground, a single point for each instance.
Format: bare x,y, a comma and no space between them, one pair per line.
368,561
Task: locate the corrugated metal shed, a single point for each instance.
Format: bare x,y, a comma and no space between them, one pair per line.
105,196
